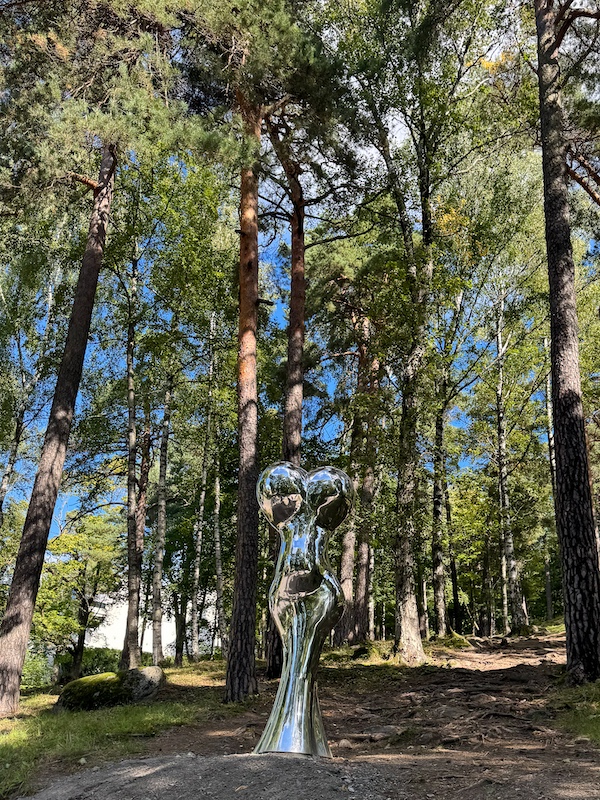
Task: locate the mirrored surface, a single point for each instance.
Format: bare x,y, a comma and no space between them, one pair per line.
305,598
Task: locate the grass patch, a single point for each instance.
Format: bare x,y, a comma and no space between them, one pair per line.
38,739
578,710
452,642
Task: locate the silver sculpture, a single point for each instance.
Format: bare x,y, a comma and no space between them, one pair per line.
305,597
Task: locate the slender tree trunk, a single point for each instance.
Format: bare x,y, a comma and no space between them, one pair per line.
199,533
142,504
161,527
457,607
552,462
131,656
573,500
363,580
180,612
437,551
195,613
28,385
371,604
241,667
12,460
292,413
83,619
518,617
219,560
16,623
368,492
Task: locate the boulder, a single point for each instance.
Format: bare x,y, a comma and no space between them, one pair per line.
143,684
93,691
111,689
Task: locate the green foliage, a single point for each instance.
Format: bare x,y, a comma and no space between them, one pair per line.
37,671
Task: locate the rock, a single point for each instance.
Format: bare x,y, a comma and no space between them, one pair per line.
110,689
143,684
93,691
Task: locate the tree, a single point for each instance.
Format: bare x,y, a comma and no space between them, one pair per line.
573,501
17,619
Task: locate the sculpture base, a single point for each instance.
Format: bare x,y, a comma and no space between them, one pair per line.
295,727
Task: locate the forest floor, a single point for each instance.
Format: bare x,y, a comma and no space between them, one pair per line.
477,723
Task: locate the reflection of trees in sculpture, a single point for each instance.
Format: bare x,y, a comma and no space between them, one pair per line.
305,597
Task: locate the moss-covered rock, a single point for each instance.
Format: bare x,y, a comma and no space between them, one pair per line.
93,691
111,689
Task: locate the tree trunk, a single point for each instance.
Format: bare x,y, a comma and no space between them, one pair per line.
437,552
363,580
11,461
407,634
457,607
142,504
219,560
198,537
573,500
241,667
131,656
552,462
16,623
161,527
180,610
199,529
518,617
292,412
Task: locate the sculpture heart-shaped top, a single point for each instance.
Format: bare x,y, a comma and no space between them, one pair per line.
283,490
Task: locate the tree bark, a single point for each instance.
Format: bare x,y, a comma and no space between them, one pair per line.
518,616
161,527
241,667
131,656
456,604
573,500
407,634
199,526
552,464
437,551
16,623
142,504
219,561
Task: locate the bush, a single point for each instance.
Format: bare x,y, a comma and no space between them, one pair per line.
37,671
95,661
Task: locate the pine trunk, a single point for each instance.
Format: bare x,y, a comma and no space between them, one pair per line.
16,623
518,616
241,667
573,500
131,656
161,527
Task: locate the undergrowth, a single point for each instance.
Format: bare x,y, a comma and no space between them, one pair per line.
578,710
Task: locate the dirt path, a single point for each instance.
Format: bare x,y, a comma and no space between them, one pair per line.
474,725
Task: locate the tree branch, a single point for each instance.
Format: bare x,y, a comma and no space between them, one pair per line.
593,194
89,182
570,19
562,11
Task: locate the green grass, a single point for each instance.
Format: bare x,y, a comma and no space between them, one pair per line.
39,739
578,710
556,625
451,642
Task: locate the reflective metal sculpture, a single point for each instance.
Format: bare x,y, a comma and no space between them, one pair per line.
305,598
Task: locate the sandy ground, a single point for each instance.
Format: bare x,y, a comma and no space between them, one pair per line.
473,726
